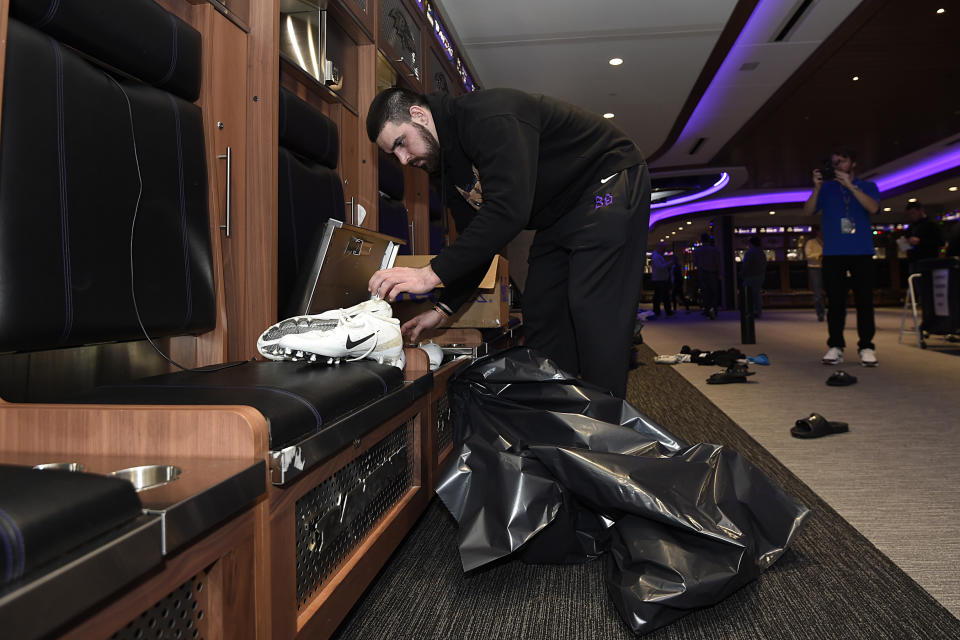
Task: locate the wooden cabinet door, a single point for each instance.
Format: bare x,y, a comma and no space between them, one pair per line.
224,98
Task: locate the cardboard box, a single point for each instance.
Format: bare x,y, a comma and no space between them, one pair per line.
489,308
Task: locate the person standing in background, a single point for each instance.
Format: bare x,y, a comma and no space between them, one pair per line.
753,268
660,274
846,204
676,275
813,253
924,236
706,258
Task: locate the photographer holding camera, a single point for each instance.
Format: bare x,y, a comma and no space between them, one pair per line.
846,204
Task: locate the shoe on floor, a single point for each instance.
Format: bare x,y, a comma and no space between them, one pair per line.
269,342
833,356
666,359
365,335
841,379
734,373
816,426
868,357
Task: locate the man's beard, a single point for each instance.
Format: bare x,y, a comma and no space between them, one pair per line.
430,160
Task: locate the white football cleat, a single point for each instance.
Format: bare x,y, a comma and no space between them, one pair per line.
363,336
269,342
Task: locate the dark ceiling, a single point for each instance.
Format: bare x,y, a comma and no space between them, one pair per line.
908,96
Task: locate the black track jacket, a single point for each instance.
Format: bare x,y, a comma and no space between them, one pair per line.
534,157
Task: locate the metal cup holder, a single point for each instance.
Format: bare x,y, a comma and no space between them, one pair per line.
150,476
60,466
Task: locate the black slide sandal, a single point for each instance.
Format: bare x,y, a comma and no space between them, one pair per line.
733,373
816,426
841,379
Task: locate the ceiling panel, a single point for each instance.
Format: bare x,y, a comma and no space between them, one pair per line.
777,121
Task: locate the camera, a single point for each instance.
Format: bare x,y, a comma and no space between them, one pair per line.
827,172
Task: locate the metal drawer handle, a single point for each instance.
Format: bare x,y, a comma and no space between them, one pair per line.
228,157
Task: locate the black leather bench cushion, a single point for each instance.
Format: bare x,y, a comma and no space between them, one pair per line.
80,155
297,399
306,131
46,513
138,37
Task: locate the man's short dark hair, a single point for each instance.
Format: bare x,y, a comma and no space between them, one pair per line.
756,241
914,205
844,151
391,105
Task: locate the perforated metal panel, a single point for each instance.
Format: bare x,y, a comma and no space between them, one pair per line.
444,423
178,616
336,515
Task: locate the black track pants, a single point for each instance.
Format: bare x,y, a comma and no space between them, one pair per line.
585,277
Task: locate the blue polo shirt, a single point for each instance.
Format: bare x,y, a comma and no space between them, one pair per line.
835,202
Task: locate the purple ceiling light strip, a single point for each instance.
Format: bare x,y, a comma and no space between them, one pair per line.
924,168
719,184
716,94
939,163
777,197
722,87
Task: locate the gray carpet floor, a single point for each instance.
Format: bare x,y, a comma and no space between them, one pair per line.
833,583
896,475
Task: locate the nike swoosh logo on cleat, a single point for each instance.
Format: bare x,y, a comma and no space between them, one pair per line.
352,343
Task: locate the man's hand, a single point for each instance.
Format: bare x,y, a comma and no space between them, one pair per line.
387,283
817,179
844,178
431,319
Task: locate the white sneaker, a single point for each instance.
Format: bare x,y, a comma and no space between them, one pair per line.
833,356
365,335
868,357
269,342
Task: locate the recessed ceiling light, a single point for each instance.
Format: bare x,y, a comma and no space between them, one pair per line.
616,61
773,213
679,228
951,188
887,209
912,200
855,78
689,222
939,11
608,115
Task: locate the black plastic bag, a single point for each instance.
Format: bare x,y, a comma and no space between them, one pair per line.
558,471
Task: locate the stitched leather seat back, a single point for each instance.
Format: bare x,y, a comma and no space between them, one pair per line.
138,37
86,159
393,219
309,189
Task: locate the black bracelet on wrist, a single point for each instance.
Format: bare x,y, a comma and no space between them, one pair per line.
443,313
